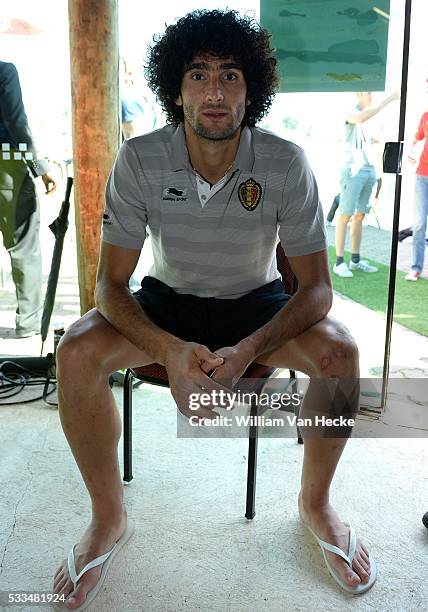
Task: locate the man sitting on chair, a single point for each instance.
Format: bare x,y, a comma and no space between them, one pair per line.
216,194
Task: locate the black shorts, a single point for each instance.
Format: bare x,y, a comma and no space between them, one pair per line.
214,322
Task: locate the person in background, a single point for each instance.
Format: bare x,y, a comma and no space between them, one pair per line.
131,112
357,180
421,201
131,108
19,206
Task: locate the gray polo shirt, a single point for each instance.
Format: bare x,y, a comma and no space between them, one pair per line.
227,247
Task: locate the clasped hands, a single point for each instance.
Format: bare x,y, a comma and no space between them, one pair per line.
196,372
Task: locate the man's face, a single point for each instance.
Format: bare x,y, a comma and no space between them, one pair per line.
213,97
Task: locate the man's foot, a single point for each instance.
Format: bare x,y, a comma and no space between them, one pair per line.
342,270
363,265
413,275
327,526
97,540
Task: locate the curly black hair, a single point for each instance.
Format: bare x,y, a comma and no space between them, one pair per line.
219,34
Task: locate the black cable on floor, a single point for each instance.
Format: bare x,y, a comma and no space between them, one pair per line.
13,383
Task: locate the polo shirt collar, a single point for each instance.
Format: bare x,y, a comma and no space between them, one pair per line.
244,159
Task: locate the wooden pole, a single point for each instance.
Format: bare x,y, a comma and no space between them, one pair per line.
94,59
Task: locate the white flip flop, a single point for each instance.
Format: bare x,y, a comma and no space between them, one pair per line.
105,559
359,588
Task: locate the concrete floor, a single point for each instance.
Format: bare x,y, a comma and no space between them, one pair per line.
193,548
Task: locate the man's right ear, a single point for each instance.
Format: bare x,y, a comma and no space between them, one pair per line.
179,101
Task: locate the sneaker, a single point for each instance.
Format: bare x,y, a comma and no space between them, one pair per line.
413,275
342,270
362,265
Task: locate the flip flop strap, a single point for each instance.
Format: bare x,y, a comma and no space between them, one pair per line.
352,543
72,565
336,550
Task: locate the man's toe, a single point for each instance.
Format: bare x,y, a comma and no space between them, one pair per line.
364,556
77,597
363,559
74,602
346,573
364,550
352,578
59,586
360,570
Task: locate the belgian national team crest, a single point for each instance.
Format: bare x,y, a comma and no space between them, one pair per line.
249,194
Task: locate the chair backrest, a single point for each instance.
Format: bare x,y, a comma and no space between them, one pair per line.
288,278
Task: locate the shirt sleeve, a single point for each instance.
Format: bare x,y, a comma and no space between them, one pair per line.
130,109
15,118
301,219
125,212
127,114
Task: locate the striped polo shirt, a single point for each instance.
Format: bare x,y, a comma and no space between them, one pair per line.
227,247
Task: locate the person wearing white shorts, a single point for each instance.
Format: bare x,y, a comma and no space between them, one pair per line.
357,180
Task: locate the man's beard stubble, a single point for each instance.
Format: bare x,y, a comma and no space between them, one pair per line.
214,134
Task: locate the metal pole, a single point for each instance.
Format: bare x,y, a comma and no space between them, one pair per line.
396,218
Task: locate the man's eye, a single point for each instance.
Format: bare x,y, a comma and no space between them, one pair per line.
231,76
197,76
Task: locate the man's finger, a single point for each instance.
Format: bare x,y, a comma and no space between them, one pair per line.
211,366
210,384
201,413
204,354
203,393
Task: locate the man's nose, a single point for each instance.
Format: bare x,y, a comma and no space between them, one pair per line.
214,92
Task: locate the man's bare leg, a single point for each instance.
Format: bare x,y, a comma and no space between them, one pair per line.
87,354
324,350
340,234
356,232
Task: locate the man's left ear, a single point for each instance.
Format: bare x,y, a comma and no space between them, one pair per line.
248,102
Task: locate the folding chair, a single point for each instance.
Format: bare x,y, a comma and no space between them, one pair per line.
156,374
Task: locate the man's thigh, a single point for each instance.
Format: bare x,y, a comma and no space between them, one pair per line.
363,204
321,345
421,200
350,189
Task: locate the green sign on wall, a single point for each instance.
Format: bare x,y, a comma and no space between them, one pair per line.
328,45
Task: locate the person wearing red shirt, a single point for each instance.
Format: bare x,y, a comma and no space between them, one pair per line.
421,201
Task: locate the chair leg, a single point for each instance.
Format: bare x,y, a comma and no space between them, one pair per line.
296,408
127,426
252,464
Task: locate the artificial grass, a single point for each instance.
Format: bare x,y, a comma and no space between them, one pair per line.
371,290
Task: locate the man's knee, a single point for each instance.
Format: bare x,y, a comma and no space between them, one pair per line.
359,216
77,349
344,218
337,355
